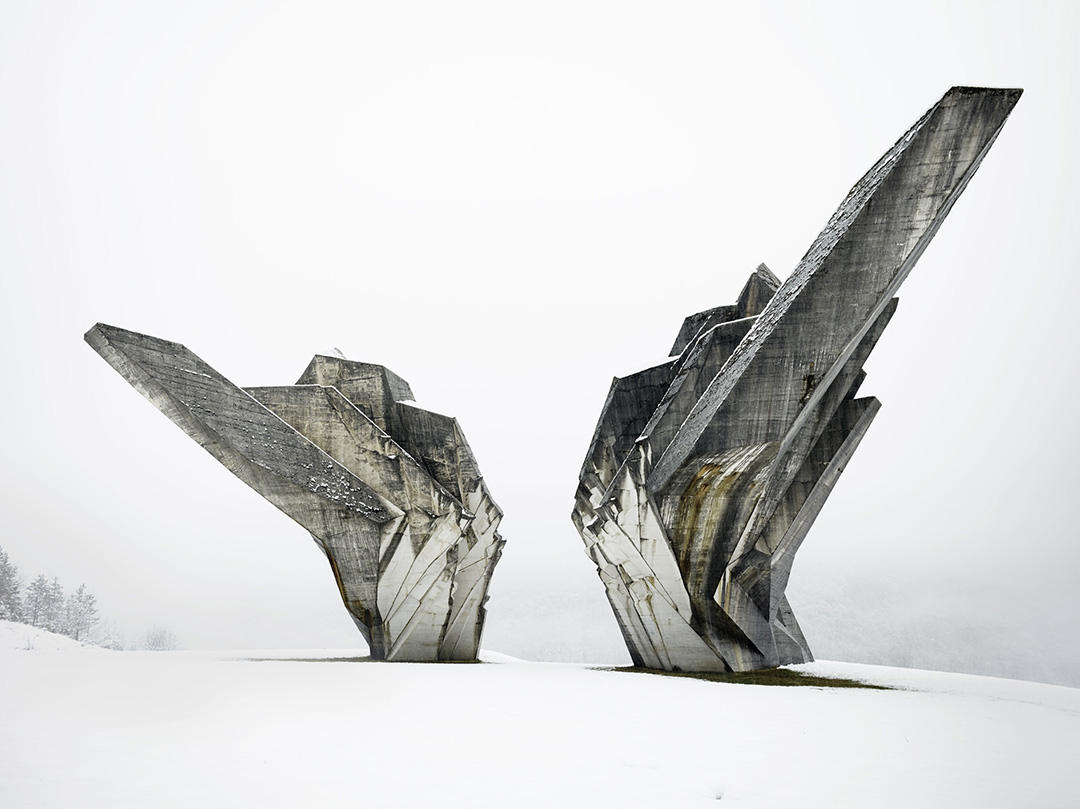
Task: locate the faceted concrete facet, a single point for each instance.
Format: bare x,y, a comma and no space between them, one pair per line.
390,492
706,472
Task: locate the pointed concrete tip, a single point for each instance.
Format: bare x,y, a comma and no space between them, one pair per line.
1010,94
758,290
97,336
97,327
763,271
1008,91
103,333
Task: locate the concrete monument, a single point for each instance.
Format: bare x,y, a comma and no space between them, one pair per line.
706,472
390,492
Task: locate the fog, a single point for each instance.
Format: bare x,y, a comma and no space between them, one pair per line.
507,207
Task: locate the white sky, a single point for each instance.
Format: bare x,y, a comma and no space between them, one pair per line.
507,207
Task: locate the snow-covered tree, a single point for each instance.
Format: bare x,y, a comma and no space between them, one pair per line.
80,613
36,601
54,621
10,587
43,605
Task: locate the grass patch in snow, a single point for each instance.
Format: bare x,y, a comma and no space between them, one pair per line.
778,676
307,659
365,659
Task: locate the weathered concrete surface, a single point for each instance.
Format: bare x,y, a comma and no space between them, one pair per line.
389,491
705,473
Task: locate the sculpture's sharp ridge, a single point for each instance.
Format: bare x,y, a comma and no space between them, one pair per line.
755,295
412,552
231,425
759,417
758,291
855,266
626,412
372,388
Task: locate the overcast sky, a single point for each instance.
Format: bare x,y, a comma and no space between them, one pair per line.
507,206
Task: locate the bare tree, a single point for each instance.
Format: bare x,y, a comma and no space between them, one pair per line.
108,635
160,639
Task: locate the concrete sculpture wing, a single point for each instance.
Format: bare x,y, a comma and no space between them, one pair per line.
706,472
390,492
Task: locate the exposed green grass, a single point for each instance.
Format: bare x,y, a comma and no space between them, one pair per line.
780,676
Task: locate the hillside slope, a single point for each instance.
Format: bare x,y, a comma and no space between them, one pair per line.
24,637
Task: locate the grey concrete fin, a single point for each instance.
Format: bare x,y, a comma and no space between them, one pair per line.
755,295
694,529
412,553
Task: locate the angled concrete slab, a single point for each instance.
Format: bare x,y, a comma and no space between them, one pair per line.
759,417
390,492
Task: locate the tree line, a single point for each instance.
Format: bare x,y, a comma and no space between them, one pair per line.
44,604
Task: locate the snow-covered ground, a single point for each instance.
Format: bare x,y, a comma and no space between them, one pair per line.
30,638
91,728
